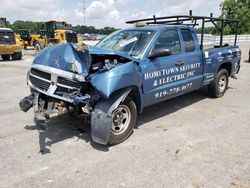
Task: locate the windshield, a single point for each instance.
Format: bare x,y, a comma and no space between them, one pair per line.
131,42
24,32
60,25
2,22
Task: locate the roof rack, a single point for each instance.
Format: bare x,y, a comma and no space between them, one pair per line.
191,20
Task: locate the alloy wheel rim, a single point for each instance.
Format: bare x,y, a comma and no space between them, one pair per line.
222,83
121,118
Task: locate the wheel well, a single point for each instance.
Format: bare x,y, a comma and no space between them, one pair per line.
135,96
227,66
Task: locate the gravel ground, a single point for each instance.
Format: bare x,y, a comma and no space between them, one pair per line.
190,141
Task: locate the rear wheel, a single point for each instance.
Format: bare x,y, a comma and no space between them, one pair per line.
219,86
123,121
249,56
6,57
17,56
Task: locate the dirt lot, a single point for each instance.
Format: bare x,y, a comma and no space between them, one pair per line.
190,141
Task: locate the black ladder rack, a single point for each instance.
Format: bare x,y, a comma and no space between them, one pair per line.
191,20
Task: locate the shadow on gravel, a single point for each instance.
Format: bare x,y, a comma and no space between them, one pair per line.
171,106
63,128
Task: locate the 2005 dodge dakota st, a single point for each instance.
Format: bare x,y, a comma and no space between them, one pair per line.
126,72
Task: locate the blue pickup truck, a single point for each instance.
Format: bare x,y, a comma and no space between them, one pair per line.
124,73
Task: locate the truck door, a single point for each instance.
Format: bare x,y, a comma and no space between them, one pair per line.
162,78
192,59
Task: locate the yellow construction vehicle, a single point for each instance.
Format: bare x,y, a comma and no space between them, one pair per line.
10,46
57,32
25,36
39,40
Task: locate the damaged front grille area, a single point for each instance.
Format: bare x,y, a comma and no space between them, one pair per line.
68,82
53,84
41,74
41,84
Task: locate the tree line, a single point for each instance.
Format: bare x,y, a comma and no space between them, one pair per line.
34,27
230,9
233,9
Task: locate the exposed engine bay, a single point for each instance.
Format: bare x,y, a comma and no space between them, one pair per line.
100,62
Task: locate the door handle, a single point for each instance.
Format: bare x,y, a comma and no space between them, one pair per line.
179,63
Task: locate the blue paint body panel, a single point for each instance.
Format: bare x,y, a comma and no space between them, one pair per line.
156,79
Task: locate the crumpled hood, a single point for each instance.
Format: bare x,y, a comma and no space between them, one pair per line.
64,57
73,59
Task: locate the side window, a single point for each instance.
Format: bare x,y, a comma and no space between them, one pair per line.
188,40
169,40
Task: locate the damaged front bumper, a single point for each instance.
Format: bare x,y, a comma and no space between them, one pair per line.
60,87
55,83
60,84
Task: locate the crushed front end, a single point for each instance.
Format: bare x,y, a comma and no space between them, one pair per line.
56,92
59,83
66,79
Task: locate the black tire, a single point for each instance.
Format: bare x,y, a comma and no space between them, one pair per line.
249,56
16,56
6,57
117,136
219,86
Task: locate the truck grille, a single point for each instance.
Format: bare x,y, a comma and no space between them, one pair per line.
7,37
71,37
67,82
42,80
41,74
41,84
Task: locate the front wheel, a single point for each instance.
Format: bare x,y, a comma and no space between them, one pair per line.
123,121
17,56
219,86
6,57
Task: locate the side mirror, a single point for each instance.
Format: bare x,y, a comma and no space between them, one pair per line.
160,53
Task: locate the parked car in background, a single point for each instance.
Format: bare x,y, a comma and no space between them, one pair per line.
10,45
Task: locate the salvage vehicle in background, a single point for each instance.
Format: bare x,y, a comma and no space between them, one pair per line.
25,36
10,46
128,71
30,40
38,40
57,32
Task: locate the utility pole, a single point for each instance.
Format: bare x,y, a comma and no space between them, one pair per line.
84,12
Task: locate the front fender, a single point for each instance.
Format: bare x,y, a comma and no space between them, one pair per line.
122,76
101,119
